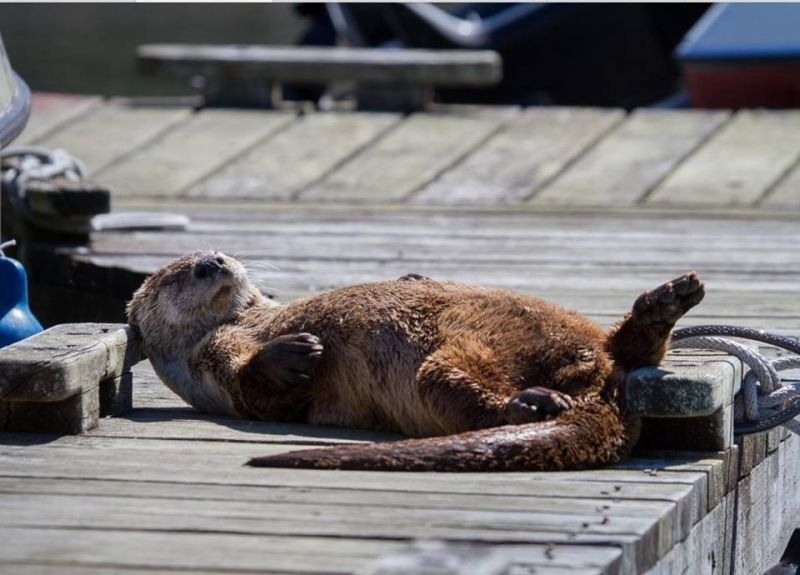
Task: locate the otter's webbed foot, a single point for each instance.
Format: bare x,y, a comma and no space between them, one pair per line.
412,278
667,303
535,403
289,359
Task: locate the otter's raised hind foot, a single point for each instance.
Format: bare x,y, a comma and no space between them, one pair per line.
535,403
642,338
669,302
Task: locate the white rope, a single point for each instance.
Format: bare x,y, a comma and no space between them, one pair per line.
38,164
763,393
42,164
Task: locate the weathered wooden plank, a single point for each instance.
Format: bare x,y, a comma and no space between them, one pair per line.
315,64
739,164
92,446
396,508
58,362
187,462
716,465
597,508
642,538
624,166
516,162
767,509
506,220
191,462
63,379
702,551
592,293
51,111
752,450
190,152
676,253
35,567
532,276
188,551
299,156
436,558
190,425
113,130
367,522
312,252
786,193
554,232
405,159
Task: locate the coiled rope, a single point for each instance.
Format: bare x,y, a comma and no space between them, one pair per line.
35,163
765,400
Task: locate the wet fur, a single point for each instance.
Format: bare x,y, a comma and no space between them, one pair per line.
450,363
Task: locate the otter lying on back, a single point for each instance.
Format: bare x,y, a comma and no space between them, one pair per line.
491,379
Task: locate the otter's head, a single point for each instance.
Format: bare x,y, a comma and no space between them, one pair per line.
190,296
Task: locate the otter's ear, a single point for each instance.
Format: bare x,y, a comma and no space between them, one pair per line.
132,309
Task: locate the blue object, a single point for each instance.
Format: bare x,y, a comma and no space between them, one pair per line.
16,320
744,32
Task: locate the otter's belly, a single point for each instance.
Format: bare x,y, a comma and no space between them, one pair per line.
364,387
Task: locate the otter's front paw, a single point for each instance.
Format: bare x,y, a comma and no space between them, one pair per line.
290,359
535,403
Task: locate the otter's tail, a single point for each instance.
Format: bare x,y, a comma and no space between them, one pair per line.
588,435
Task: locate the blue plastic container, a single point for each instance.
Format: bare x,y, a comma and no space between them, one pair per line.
16,320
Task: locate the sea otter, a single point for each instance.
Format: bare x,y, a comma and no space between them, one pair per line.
487,379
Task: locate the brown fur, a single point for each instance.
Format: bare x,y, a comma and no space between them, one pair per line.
491,379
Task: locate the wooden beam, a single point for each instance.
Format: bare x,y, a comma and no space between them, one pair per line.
306,64
63,379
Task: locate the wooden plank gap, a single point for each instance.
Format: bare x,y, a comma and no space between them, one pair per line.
181,157
251,145
526,154
784,192
114,131
455,162
685,158
532,199
735,166
414,152
623,165
295,196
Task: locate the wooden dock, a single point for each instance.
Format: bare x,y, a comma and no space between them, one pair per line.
584,207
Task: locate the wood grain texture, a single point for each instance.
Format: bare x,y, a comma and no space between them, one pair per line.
283,166
642,531
112,130
64,359
190,152
632,159
739,164
768,509
516,162
405,159
187,551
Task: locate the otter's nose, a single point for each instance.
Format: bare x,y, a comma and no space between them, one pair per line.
209,267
